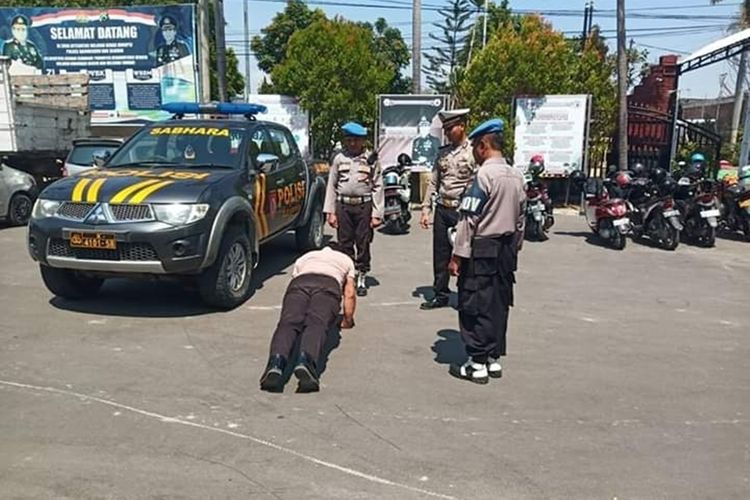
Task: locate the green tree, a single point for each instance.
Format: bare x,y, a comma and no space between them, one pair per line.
532,60
448,57
270,46
235,80
393,52
525,56
333,68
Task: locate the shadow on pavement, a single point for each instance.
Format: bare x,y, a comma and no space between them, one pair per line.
730,236
590,238
423,292
169,299
448,348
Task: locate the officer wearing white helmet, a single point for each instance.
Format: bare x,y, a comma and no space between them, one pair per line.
454,170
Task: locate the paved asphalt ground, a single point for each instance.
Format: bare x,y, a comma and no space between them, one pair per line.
627,377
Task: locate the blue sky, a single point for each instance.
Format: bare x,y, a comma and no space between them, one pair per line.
659,36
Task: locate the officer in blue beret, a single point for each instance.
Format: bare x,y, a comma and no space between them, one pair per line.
489,235
354,199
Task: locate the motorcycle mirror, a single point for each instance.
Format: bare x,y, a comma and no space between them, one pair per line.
372,158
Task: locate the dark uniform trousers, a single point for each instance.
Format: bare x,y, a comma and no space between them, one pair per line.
444,219
485,295
354,231
311,305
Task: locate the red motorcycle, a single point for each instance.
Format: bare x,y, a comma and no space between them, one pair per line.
606,210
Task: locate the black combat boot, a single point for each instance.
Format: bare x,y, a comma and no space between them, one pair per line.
307,374
272,379
434,303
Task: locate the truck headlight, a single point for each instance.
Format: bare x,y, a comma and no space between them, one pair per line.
179,214
45,208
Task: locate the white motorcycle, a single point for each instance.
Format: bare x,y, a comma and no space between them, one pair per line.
397,194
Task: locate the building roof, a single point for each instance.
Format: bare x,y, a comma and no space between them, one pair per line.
719,50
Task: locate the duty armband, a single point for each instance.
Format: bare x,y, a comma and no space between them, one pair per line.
474,200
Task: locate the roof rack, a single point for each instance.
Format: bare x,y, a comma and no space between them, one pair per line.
180,109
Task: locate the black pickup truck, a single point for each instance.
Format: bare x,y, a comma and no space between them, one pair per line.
184,198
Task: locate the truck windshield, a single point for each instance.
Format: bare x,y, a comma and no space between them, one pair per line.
185,146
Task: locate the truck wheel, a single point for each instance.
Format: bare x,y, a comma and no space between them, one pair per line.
226,284
69,284
310,236
19,209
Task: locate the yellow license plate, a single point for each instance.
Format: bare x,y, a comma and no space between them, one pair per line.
745,203
98,241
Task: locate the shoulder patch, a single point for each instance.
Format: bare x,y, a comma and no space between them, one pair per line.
474,200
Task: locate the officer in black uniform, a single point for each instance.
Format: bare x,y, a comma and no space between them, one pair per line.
19,48
488,237
172,49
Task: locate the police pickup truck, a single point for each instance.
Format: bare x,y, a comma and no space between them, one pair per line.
187,198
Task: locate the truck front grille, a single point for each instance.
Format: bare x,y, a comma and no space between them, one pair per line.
125,251
131,213
75,211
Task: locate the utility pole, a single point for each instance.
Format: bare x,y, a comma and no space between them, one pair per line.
622,89
585,31
416,46
204,67
484,27
739,94
221,55
246,49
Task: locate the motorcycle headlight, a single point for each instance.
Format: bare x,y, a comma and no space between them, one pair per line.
45,208
179,214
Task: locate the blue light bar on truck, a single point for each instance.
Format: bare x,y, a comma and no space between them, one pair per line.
222,108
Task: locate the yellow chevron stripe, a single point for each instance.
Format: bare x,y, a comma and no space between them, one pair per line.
78,190
93,192
148,191
122,195
263,220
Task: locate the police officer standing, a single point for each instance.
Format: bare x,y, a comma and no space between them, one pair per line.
354,199
172,49
20,48
489,235
453,171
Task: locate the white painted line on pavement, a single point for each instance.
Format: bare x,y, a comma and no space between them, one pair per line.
263,442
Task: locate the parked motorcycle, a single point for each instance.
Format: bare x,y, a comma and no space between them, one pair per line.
699,209
735,204
397,194
539,218
607,216
652,209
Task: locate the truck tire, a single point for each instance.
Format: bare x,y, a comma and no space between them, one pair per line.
19,209
226,283
69,284
310,235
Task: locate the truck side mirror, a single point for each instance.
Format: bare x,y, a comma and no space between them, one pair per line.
267,162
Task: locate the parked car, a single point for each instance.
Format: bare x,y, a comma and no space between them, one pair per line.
18,191
81,156
184,198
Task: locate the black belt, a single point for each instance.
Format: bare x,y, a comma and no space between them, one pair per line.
354,200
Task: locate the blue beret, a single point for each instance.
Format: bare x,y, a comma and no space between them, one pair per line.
493,126
354,129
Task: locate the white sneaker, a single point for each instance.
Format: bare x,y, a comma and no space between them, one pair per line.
493,368
474,372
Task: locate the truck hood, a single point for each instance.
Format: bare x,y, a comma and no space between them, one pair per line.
133,186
